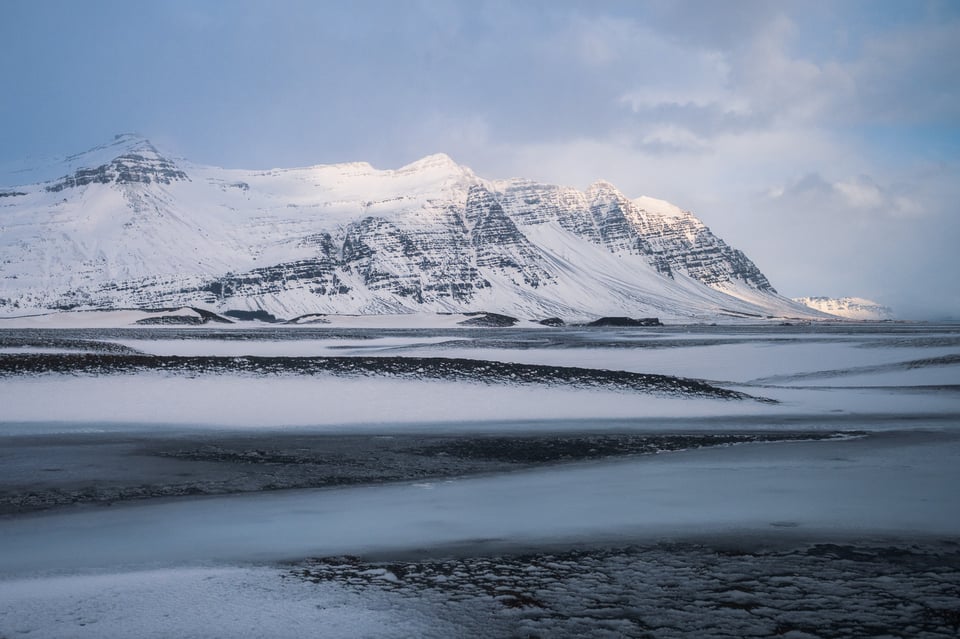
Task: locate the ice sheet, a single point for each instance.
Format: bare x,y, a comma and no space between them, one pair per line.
331,403
236,401
281,348
736,362
888,484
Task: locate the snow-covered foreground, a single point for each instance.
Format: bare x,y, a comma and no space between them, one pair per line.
666,590
207,566
189,602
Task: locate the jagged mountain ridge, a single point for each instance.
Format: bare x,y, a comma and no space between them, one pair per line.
125,226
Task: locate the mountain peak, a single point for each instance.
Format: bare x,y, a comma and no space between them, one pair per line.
660,207
53,168
602,189
119,137
602,185
130,138
128,158
121,144
436,161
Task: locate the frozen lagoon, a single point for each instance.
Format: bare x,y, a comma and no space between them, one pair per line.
886,485
894,483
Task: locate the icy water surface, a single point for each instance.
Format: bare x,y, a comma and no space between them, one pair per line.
657,482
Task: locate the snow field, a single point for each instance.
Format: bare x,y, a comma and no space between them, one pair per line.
321,401
199,602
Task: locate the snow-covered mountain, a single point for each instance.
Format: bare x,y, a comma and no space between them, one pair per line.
123,225
856,308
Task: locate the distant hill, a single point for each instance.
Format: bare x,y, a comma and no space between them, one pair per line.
848,307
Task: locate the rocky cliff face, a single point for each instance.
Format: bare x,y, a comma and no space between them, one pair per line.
129,168
123,225
676,241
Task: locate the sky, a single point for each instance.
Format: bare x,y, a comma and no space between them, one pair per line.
821,138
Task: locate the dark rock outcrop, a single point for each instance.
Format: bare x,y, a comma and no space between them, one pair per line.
144,167
252,316
552,321
625,321
490,320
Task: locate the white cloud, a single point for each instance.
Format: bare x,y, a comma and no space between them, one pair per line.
784,88
857,196
670,137
861,193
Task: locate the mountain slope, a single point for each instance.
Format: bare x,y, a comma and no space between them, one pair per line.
124,226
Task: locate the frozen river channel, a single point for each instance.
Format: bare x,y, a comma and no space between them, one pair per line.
888,484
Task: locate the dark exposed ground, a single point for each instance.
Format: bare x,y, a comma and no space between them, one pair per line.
879,334
727,589
50,471
426,368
